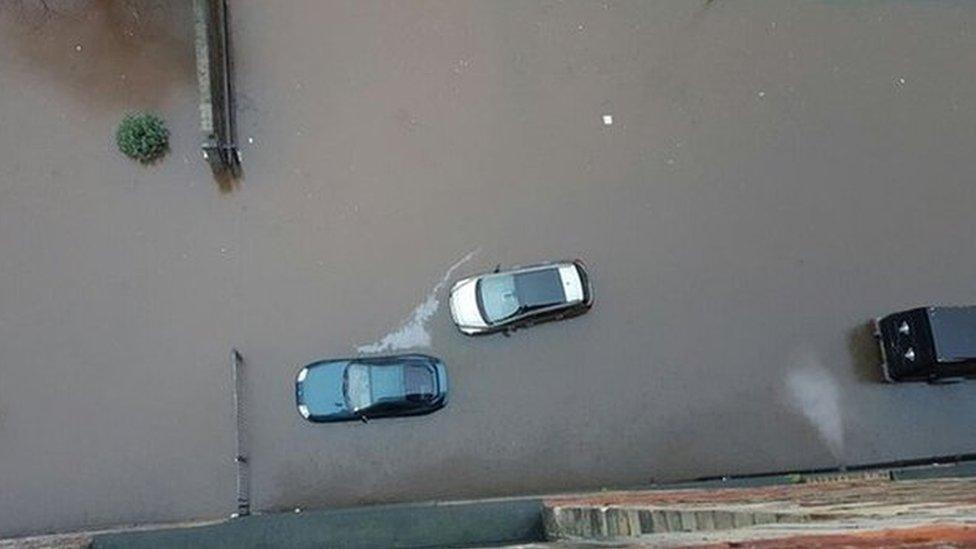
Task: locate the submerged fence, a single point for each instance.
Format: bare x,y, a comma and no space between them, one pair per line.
243,470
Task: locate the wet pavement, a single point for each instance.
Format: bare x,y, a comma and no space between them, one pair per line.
749,182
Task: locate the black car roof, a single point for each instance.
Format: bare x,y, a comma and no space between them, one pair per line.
539,288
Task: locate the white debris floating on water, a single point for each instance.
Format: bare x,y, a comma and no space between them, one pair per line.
608,120
413,333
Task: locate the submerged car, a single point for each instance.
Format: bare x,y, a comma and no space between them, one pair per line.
933,344
520,297
360,389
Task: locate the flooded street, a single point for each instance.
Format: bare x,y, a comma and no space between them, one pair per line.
748,181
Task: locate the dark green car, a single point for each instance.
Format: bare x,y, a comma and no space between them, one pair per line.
366,388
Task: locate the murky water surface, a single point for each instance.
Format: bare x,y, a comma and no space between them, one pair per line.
749,182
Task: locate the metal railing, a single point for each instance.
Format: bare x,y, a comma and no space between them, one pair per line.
215,80
243,470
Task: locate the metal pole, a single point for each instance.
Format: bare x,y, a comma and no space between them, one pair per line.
243,482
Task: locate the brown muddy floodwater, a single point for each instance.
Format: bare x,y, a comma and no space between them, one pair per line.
749,181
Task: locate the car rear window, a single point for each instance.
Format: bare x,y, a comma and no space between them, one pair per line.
420,384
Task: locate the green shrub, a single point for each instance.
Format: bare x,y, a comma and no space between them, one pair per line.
143,137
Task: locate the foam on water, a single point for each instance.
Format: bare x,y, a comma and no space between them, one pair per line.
413,333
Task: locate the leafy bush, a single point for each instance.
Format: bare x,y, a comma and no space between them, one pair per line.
143,137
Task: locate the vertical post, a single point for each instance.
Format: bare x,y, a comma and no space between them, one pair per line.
243,481
225,75
215,81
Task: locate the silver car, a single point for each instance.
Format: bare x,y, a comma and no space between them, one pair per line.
519,297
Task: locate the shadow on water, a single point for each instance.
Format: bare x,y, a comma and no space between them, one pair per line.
106,53
864,352
227,182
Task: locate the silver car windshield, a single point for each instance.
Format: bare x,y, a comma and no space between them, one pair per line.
497,297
